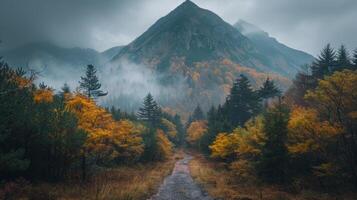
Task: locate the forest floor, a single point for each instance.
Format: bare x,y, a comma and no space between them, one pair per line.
221,183
140,181
180,185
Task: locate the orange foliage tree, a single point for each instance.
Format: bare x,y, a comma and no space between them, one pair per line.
107,139
195,132
170,129
164,146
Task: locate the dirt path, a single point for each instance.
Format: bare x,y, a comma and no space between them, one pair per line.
180,185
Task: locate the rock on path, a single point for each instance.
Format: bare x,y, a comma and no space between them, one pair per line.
180,185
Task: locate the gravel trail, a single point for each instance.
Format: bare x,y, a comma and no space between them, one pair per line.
180,185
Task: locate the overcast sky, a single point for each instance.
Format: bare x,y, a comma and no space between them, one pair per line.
302,24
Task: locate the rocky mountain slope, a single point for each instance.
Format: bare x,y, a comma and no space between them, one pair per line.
278,54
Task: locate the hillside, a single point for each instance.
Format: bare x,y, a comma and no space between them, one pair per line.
278,54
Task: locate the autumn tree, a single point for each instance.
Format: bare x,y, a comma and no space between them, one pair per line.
195,132
243,143
241,148
310,140
170,129
225,146
164,147
334,99
107,140
90,83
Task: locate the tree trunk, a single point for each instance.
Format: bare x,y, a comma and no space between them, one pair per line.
84,167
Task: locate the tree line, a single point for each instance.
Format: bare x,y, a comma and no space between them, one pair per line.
305,137
48,135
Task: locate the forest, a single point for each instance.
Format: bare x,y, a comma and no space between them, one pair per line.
48,136
301,139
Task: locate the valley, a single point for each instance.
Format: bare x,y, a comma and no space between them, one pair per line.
193,108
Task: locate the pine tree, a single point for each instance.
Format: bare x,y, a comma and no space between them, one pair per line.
269,90
242,103
65,88
150,112
343,60
180,129
198,114
90,83
274,159
325,63
213,129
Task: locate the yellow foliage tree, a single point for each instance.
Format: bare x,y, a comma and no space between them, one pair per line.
127,140
335,100
307,133
251,139
335,97
225,145
106,138
171,131
242,143
44,95
164,146
195,132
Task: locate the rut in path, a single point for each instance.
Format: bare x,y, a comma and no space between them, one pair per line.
180,185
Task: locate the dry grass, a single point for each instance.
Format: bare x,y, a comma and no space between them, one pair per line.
221,183
122,183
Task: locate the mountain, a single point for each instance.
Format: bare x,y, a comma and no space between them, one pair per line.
44,55
56,64
110,53
191,34
277,53
190,56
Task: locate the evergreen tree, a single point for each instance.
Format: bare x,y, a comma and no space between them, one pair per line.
198,114
269,90
180,129
274,159
65,88
325,63
213,129
116,113
90,83
242,103
343,60
150,112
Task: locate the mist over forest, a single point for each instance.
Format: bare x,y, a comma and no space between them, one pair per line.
179,99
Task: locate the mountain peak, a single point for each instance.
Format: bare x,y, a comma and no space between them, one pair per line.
186,7
188,3
188,32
